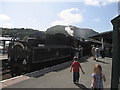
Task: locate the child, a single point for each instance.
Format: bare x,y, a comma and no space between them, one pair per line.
76,69
98,77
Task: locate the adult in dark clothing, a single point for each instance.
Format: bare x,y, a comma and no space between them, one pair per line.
102,52
80,52
75,51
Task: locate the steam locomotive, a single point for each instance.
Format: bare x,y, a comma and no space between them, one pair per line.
33,54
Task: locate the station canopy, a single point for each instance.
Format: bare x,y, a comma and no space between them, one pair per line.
107,37
5,38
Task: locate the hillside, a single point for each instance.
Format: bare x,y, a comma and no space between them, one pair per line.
58,29
77,32
18,32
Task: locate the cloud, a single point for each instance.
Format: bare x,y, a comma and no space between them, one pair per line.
107,2
7,25
92,2
5,21
4,17
97,19
68,16
99,2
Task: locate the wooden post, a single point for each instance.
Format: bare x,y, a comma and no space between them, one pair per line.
102,43
3,47
116,53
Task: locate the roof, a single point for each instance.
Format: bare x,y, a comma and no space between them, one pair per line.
107,36
116,19
5,38
101,34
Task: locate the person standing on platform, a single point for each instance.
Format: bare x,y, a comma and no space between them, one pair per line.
93,52
80,52
102,52
97,52
76,51
76,69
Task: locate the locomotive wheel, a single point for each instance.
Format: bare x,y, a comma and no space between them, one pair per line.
18,70
14,71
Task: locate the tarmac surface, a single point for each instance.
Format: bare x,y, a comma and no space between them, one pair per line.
60,76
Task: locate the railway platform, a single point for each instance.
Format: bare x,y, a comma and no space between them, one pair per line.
59,76
3,57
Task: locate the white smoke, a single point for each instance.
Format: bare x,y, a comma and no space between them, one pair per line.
69,31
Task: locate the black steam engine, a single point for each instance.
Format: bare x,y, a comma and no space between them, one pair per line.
33,54
38,53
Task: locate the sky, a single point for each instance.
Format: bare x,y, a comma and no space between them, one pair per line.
93,14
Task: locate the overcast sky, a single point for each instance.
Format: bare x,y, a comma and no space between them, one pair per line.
93,14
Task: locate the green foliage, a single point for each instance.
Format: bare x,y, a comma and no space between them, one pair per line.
26,37
20,33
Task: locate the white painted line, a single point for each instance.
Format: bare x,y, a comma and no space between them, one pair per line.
14,80
11,78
